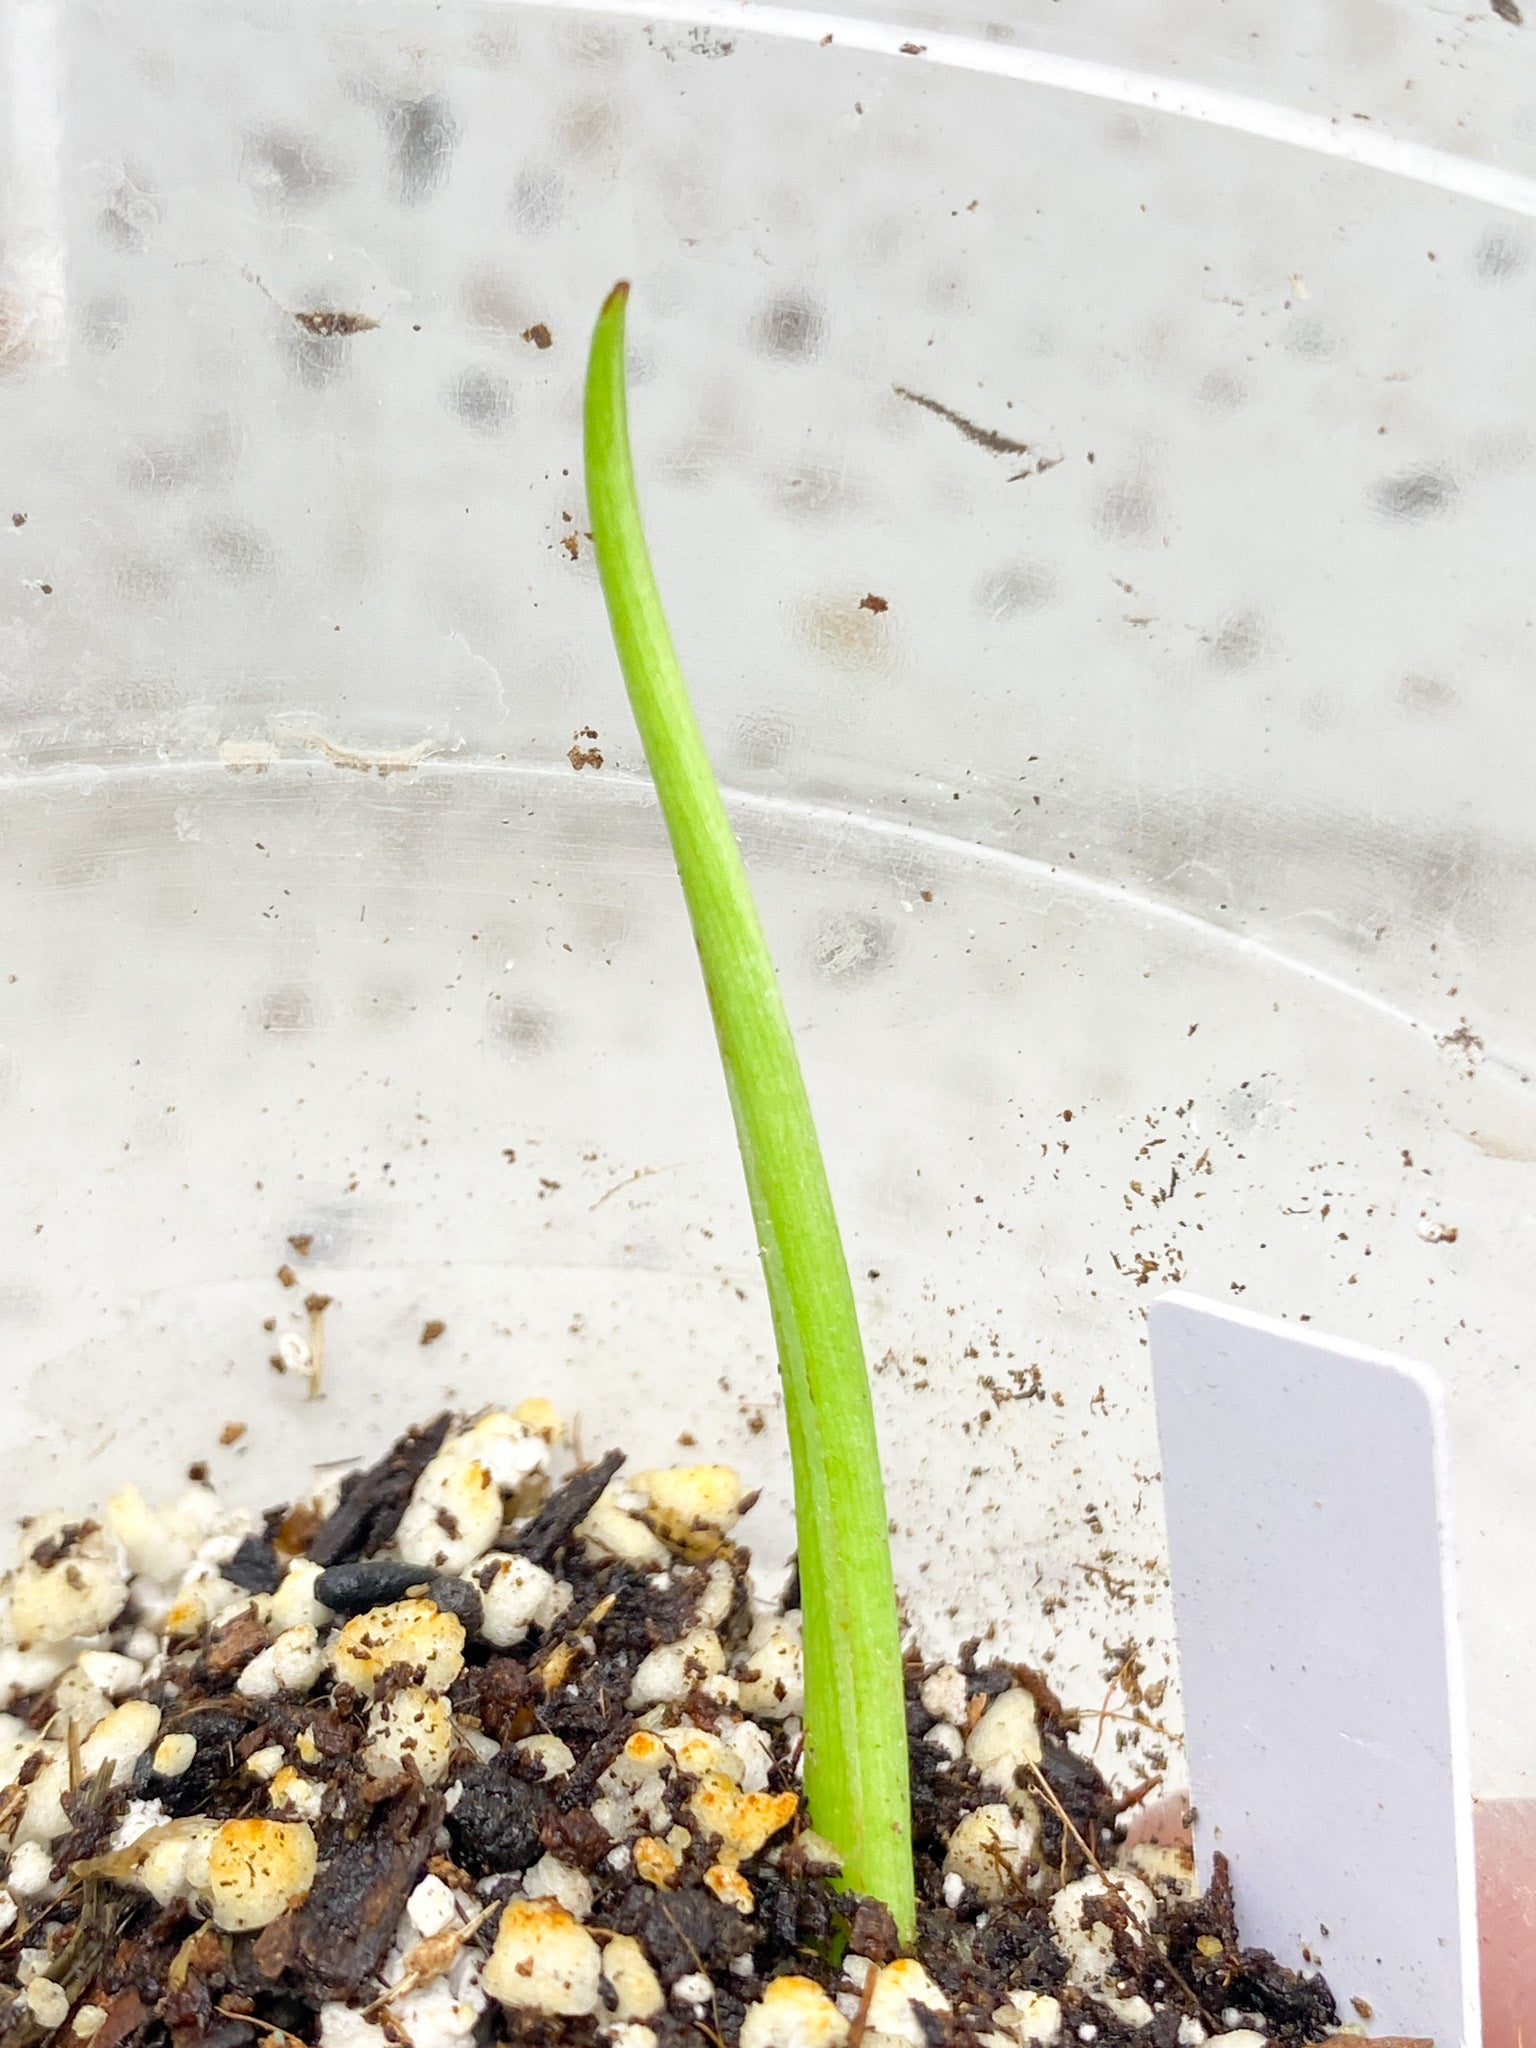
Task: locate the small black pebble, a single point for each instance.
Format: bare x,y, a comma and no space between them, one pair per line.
495,1825
256,1566
354,1588
457,1596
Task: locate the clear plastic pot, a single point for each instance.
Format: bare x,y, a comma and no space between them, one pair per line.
1097,539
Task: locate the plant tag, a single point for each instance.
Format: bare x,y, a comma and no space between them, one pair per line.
1306,1491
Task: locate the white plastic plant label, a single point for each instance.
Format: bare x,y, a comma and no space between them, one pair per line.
1305,1483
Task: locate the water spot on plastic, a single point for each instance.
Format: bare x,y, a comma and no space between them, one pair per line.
144,694
141,579
793,328
853,946
811,490
1424,696
204,455
761,742
595,44
1128,510
422,136
238,551
1414,495
694,462
1237,642
104,323
1311,339
286,173
519,1030
1220,391
588,127
1015,587
538,199
1499,256
482,399
383,1007
494,302
839,630
291,1011
313,359
1498,452
131,215
495,46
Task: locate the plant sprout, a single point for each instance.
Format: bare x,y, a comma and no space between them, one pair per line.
855,1723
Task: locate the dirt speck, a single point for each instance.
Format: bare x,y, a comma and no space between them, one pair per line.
1038,468
301,1244
983,437
18,519
913,49
871,603
432,1330
329,324
539,335
581,756
1506,10
231,1433
288,1276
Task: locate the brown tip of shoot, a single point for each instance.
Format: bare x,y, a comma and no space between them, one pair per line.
617,296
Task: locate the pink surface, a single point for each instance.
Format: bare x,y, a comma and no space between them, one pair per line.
1506,1912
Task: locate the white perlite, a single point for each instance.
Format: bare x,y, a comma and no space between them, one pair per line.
1031,2017
412,1728
793,2012
290,1664
900,1988
770,1675
543,1960
636,1989
69,1581
671,1672
430,1907
943,1693
991,1850
1090,1950
1004,1740
549,1878
173,1755
49,2002
512,1591
257,1869
455,1509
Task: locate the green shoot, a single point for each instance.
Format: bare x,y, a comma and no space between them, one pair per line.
855,1722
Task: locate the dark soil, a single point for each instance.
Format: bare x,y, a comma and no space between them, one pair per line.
165,1977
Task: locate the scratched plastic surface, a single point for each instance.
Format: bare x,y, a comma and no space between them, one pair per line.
1153,876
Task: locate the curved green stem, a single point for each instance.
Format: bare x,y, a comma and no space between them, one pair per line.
855,1721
